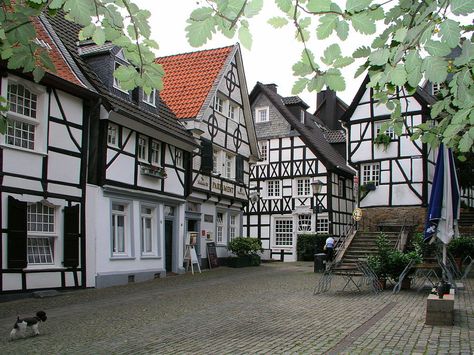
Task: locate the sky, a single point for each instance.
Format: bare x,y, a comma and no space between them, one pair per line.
273,53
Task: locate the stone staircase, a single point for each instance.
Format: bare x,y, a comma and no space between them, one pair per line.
362,245
466,221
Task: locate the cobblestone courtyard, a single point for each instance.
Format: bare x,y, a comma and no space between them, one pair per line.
267,310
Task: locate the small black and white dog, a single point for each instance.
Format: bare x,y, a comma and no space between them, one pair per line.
22,324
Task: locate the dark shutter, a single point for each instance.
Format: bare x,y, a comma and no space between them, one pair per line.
206,156
71,236
17,234
239,168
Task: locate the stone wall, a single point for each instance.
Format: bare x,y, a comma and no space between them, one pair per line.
373,218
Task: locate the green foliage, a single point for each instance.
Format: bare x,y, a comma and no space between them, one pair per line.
382,139
414,44
309,244
462,247
242,246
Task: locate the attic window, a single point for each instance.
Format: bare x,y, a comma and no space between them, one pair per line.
302,114
43,44
116,82
150,99
262,114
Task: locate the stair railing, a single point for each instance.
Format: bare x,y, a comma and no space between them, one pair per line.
402,237
343,243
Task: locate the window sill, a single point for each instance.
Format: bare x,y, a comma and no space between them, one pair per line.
118,257
148,257
41,268
13,147
272,198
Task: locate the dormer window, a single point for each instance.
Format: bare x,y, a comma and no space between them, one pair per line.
302,114
150,99
262,114
116,82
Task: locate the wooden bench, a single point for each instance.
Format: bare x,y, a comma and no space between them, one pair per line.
440,311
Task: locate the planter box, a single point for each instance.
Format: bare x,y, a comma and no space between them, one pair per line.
244,261
153,171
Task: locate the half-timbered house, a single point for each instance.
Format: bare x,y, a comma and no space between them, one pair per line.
294,154
394,174
43,166
137,182
208,93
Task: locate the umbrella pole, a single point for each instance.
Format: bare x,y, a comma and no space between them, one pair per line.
444,260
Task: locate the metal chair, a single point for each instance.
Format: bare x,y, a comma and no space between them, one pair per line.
404,273
468,268
324,283
369,277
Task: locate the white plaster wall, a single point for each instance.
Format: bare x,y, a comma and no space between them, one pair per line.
59,137
71,105
122,168
43,280
24,183
361,112
381,152
363,153
22,162
63,167
379,197
402,195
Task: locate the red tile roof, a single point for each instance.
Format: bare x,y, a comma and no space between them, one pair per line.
189,77
62,68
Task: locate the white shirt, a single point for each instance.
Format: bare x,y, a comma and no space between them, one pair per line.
330,242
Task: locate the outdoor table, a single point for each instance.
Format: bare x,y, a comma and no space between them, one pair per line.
348,273
426,272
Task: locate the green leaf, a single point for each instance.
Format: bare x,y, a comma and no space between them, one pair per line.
99,36
331,53
334,80
56,4
361,52
379,57
245,37
301,69
278,22
327,24
343,62
357,5
201,14
413,61
414,78
361,70
284,5
199,32
400,34
462,7
398,75
466,55
253,8
342,30
436,48
299,86
465,143
363,23
78,11
318,5
316,83
450,32
435,68
38,74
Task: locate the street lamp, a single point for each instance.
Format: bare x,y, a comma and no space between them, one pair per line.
316,186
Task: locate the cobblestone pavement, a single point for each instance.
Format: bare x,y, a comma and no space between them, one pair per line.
269,309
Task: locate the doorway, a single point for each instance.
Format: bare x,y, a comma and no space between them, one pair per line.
169,245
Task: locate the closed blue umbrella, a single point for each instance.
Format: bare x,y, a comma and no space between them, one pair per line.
444,204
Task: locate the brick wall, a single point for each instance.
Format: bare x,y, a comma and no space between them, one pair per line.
372,217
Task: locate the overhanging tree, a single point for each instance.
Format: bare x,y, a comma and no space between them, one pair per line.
413,43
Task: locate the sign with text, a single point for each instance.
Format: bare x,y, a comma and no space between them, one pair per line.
212,255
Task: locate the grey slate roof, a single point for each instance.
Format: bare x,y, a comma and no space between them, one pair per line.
337,136
310,133
86,48
294,100
165,120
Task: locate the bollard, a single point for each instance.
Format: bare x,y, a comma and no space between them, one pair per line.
282,255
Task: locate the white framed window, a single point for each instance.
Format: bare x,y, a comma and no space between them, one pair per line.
112,135
142,148
233,112
304,223
232,227
219,104
436,88
370,173
389,132
262,114
178,157
155,152
26,124
322,226
229,166
116,82
263,145
274,189
148,231
302,187
283,235
41,229
120,234
150,99
220,225
215,161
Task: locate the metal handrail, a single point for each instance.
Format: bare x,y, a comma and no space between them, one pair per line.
342,241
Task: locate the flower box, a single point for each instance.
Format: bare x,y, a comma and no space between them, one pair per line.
154,171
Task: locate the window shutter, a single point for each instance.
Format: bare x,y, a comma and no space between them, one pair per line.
71,236
206,156
17,234
239,168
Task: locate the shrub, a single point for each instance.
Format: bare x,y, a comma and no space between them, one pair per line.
462,247
245,246
309,244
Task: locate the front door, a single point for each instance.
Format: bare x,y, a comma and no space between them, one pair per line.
169,245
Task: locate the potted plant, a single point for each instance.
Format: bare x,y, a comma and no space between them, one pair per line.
246,251
379,263
382,139
398,261
461,248
152,170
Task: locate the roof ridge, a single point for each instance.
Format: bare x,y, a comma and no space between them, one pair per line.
193,52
